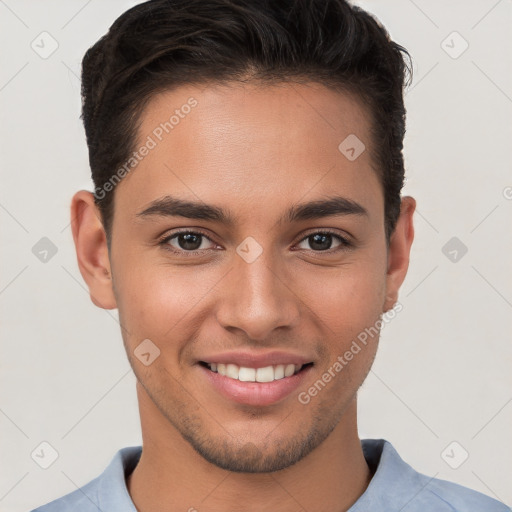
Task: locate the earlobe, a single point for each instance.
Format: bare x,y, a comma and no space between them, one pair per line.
91,249
399,251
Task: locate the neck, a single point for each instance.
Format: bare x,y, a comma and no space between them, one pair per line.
171,475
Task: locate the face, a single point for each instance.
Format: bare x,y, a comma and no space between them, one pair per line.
246,242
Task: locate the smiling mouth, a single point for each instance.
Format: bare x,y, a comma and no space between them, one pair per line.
246,374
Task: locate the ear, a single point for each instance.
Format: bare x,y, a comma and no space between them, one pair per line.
91,249
399,251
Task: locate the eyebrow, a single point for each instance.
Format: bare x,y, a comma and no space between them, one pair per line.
169,206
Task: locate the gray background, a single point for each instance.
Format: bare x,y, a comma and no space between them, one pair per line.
442,374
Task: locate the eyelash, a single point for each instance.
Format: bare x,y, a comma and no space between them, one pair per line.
344,243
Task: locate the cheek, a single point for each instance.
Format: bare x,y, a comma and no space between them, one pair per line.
155,300
349,309
349,299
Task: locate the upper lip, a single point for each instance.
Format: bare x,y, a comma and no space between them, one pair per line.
256,360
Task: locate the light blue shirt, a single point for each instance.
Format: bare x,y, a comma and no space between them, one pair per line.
395,487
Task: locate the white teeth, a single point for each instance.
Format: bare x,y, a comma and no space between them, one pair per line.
244,374
279,371
265,374
289,370
232,371
247,374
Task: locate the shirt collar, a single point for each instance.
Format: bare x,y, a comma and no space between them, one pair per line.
113,493
394,482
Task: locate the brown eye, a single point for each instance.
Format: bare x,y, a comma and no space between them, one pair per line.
189,241
324,240
186,241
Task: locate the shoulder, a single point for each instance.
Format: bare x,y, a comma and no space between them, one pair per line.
455,497
106,492
85,499
397,486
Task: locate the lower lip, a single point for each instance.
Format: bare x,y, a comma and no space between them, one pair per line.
255,393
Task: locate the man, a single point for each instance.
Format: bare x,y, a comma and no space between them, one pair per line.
247,223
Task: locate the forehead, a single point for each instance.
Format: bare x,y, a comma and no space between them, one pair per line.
253,144
277,115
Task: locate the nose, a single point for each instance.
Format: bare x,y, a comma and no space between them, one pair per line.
257,298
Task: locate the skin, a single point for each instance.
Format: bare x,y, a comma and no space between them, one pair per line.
253,150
